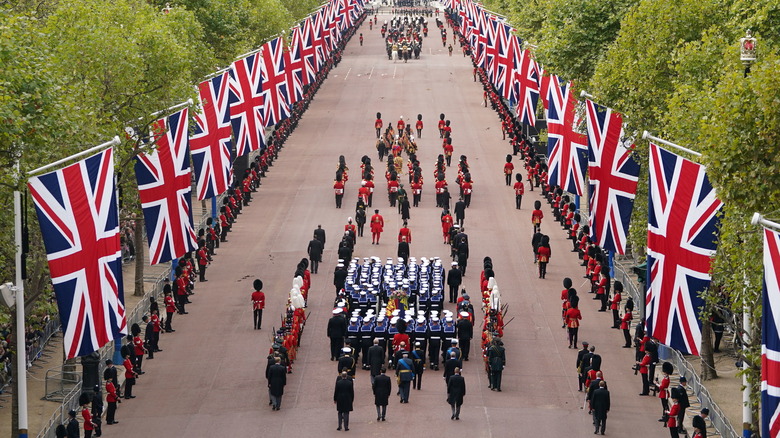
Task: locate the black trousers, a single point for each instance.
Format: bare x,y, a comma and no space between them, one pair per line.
508,179
416,202
338,200
202,269
600,423
453,293
168,320
495,379
110,412
573,333
182,300
129,383
315,263
258,313
627,335
336,344
645,384
465,347
518,201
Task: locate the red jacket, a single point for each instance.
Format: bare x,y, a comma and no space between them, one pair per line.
519,189
129,374
508,168
258,300
170,304
536,217
111,396
543,254
87,419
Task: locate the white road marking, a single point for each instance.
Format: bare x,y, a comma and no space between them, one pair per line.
347,75
394,70
370,73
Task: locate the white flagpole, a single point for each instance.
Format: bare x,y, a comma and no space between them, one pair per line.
21,356
188,102
648,136
114,141
759,219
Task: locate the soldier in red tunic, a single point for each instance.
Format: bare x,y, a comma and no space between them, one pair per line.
338,188
405,232
448,150
400,125
543,254
441,125
378,124
536,216
509,168
419,125
519,190
416,190
258,303
203,260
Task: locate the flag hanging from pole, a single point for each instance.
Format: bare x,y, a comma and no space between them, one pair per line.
164,187
770,338
566,148
612,175
79,219
211,142
681,240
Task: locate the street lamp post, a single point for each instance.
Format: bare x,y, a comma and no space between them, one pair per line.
747,54
747,50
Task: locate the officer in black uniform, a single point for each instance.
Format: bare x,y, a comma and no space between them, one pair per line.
366,339
337,329
465,330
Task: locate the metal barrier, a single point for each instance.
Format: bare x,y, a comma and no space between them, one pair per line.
718,419
36,351
70,401
59,383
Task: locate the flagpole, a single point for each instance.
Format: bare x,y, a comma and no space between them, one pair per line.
21,353
758,219
648,136
114,141
187,102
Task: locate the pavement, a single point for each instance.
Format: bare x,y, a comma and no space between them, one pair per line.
209,380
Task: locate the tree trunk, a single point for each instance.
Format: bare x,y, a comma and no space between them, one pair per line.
140,259
708,371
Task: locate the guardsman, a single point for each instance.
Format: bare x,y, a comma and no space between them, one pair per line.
401,197
441,125
351,228
370,185
378,125
509,168
405,232
392,189
416,190
519,190
441,186
203,260
536,216
467,186
364,192
377,226
543,254
400,125
419,125
338,188
448,150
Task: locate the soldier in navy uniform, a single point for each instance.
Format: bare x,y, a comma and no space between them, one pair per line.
353,336
434,340
418,359
420,334
448,336
337,329
380,332
366,339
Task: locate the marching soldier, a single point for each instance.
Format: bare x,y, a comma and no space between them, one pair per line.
435,334
366,340
519,190
377,224
508,170
465,331
419,125
338,188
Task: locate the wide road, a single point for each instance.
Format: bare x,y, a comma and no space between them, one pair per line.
209,381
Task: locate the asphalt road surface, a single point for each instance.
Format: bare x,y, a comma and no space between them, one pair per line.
209,381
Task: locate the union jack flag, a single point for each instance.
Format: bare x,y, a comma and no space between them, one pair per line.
164,187
770,339
321,48
613,175
566,148
302,46
247,104
276,90
79,219
293,73
681,240
211,142
506,61
527,88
